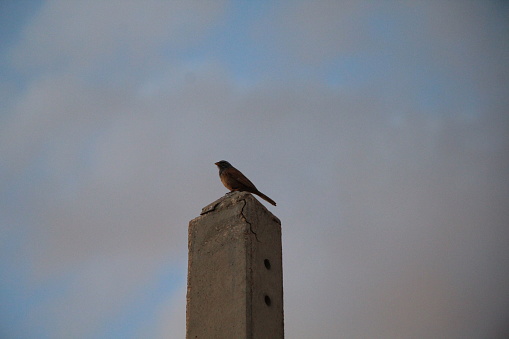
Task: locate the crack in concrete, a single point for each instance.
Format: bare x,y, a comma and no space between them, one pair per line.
245,219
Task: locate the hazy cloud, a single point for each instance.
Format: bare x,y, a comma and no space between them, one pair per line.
388,163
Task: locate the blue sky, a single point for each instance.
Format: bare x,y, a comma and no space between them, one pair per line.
380,128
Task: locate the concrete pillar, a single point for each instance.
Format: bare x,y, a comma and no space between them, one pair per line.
235,277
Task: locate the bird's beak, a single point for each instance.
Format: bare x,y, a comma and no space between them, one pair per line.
216,163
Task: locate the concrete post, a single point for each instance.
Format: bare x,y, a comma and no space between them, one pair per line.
235,277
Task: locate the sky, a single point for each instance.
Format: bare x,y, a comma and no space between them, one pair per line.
380,128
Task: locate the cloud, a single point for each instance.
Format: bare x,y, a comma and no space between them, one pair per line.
172,319
391,196
78,35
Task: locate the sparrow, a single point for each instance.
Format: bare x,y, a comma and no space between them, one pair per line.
234,180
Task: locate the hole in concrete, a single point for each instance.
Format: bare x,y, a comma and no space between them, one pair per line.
267,300
267,264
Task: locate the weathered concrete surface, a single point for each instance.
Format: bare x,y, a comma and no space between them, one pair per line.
235,278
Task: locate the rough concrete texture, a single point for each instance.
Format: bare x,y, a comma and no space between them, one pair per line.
235,278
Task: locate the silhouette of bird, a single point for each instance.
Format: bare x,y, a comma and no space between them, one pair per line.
234,180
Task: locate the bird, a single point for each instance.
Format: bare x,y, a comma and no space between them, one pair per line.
234,180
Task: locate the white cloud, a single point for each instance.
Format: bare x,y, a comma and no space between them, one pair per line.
406,205
172,319
79,34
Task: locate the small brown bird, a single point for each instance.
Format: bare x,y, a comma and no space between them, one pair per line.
234,180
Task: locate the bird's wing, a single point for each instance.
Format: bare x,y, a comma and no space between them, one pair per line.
241,178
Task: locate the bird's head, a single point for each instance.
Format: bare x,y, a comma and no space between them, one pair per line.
223,164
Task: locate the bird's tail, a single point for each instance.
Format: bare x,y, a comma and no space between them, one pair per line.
264,197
